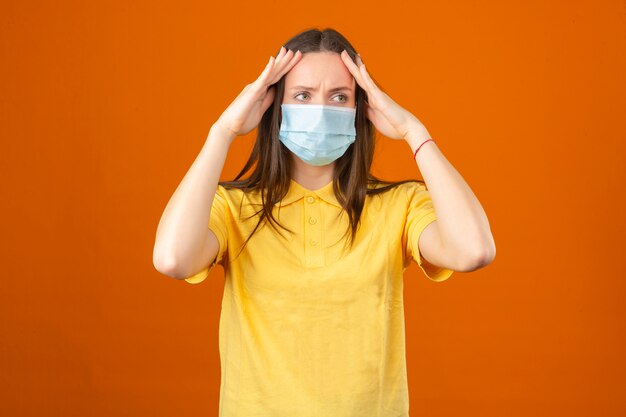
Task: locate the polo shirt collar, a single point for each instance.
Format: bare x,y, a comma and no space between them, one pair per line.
297,192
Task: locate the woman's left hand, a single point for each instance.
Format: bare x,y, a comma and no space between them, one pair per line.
388,117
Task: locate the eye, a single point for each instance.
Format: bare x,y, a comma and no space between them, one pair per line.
343,96
299,94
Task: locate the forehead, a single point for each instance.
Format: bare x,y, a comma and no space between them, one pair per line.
319,70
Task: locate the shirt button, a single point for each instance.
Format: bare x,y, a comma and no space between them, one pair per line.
313,242
312,220
310,199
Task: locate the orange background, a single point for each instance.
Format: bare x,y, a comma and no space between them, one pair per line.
106,104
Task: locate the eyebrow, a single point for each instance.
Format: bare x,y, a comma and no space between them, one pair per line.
303,87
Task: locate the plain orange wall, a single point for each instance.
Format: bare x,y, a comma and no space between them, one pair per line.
106,104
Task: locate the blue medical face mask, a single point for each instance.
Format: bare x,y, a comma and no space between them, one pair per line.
318,134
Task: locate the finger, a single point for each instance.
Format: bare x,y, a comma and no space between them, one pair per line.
264,77
279,72
282,55
279,60
291,63
354,70
284,61
262,81
366,77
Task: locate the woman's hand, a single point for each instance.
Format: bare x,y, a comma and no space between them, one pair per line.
246,111
388,117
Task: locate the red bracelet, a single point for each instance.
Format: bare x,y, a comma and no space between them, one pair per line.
418,148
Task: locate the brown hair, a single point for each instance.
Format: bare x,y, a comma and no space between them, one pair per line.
271,175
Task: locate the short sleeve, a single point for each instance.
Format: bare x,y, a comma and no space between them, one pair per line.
420,213
217,224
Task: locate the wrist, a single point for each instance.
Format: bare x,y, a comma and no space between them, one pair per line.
416,138
221,133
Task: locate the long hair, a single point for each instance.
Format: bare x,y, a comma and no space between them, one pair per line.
271,175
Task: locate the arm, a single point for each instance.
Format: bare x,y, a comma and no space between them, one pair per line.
184,244
460,238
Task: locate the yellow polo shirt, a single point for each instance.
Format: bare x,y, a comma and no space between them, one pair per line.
307,330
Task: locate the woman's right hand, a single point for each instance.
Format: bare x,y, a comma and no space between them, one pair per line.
246,111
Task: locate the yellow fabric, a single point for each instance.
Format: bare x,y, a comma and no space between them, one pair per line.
307,330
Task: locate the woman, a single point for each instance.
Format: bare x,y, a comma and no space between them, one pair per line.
313,246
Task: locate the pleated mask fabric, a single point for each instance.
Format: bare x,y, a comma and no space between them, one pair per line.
318,134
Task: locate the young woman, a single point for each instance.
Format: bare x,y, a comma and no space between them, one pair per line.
313,246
